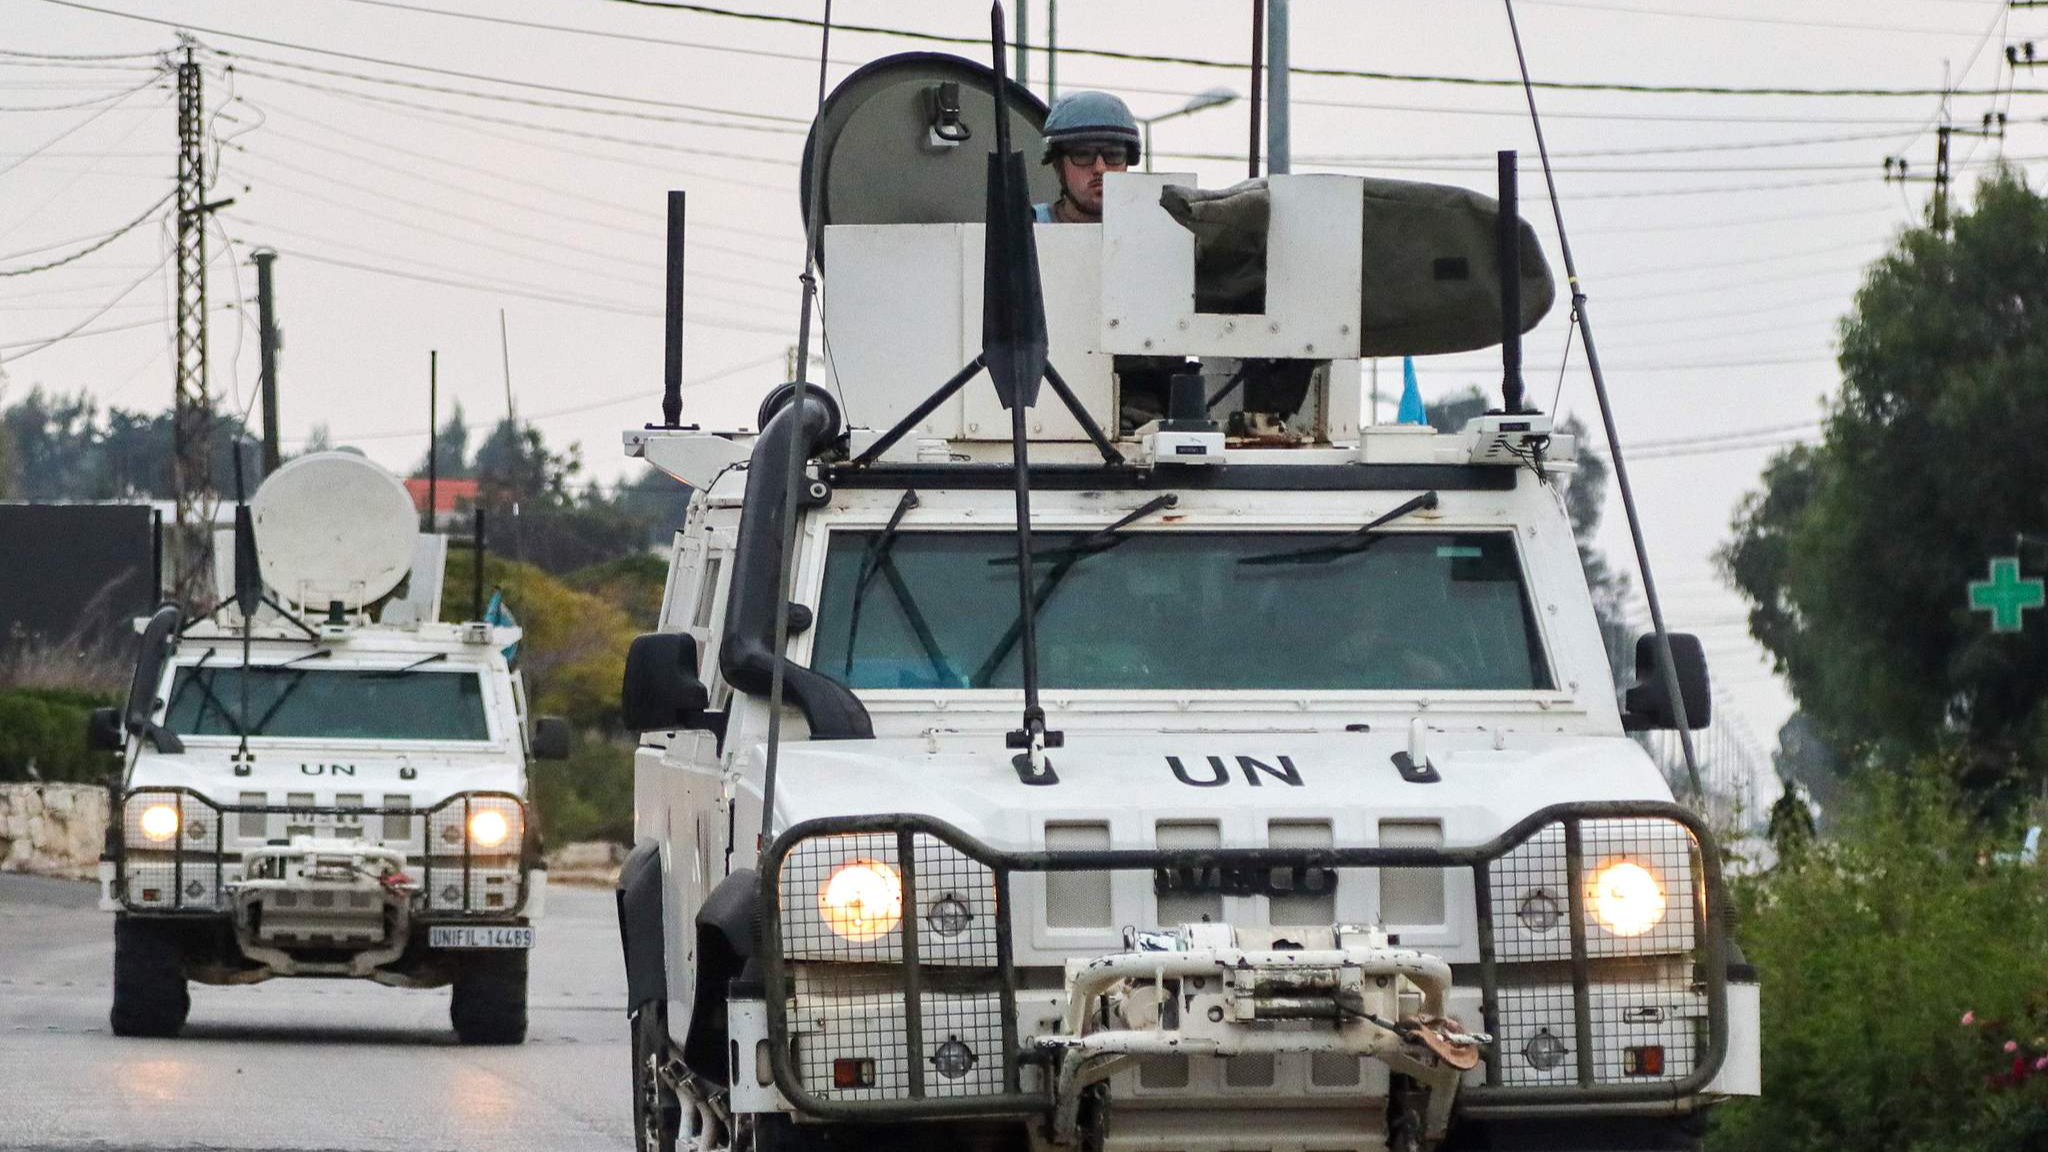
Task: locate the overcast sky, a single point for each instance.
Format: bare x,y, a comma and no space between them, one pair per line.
1719,236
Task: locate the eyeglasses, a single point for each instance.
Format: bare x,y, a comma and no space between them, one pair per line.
1084,155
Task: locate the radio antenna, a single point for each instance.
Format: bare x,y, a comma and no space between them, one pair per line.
1668,667
793,482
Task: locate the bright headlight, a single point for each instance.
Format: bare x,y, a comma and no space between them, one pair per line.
862,901
1626,898
489,828
159,822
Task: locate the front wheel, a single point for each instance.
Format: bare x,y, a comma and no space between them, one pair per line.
150,998
657,1113
489,1001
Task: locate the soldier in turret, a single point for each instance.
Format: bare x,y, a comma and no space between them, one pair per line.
1086,134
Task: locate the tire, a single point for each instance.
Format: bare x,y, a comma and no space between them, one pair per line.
489,1001
150,997
657,1113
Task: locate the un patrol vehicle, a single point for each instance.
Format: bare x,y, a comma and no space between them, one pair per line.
1173,761
321,778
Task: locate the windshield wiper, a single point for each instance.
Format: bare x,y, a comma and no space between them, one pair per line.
395,673
875,562
263,721
206,689
1349,544
1100,540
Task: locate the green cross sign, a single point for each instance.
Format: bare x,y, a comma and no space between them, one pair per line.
2005,595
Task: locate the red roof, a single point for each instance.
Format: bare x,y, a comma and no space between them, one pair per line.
449,493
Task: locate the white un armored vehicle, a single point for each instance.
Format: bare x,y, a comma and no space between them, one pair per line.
1284,803
321,778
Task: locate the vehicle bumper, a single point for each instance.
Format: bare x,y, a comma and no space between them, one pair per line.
894,1000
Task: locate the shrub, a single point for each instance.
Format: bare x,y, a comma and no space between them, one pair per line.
1872,948
588,796
44,729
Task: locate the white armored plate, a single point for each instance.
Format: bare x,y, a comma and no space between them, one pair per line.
333,526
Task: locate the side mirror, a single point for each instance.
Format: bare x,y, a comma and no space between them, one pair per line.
1647,706
103,730
551,738
662,690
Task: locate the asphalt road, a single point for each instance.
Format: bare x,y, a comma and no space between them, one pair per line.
305,1064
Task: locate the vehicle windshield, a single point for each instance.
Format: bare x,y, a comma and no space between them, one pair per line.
333,703
1425,611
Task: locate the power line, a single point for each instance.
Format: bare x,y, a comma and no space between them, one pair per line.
152,55
116,96
1725,18
102,242
522,181
428,68
80,327
45,145
531,125
619,308
528,101
1301,70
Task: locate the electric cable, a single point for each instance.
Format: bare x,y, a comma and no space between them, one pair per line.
1726,18
524,181
556,105
78,329
528,124
102,242
1297,70
187,27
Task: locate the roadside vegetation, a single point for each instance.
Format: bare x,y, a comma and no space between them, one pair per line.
1901,938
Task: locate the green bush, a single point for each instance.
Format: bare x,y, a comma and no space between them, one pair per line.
44,728
1872,948
588,796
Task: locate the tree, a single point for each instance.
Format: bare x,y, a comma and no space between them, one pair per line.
451,447
1856,552
514,466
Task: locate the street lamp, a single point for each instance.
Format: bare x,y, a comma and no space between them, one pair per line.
1211,98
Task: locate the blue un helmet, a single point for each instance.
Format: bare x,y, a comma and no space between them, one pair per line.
1090,118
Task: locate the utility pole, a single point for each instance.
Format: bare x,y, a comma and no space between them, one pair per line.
1897,171
192,405
1023,65
1278,149
434,439
267,339
1052,50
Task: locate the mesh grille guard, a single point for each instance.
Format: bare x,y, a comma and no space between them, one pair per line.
911,982
187,861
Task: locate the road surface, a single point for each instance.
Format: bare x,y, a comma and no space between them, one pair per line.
305,1064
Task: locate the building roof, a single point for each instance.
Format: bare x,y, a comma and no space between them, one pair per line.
450,493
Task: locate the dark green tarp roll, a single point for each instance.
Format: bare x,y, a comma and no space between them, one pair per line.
1431,279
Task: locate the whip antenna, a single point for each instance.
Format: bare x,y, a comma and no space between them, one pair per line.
793,482
1668,667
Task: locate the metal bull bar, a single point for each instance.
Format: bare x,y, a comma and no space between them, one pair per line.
888,983
177,863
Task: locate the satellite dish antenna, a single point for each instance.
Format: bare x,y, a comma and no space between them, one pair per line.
906,140
333,527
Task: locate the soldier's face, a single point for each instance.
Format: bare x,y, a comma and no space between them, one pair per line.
1081,169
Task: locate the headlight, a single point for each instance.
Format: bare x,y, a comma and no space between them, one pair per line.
1626,898
862,901
489,828
160,822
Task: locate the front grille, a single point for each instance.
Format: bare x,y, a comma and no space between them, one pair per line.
1589,999
191,871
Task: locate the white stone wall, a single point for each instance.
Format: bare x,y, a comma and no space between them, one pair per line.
52,829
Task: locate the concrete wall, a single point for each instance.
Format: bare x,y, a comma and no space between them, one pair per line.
52,829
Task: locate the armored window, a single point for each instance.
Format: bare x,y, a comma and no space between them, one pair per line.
1180,610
